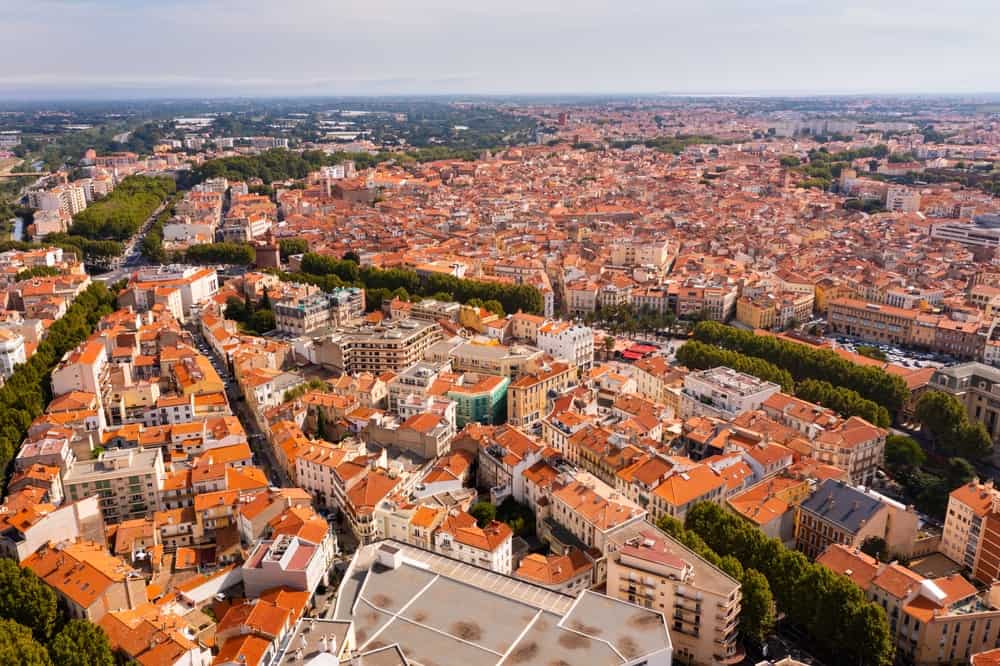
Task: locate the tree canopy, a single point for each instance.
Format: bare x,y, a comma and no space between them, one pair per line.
81,643
27,600
221,253
290,246
19,648
699,356
831,608
954,434
805,362
329,273
843,400
26,392
120,214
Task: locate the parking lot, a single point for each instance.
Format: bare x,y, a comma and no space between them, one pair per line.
908,358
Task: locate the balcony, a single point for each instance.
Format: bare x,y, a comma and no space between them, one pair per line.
688,605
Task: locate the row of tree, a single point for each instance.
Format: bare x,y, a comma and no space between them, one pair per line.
27,391
34,633
152,242
700,356
511,297
804,362
843,400
37,272
121,213
86,247
220,253
281,164
829,607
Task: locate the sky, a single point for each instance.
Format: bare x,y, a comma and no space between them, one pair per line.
365,47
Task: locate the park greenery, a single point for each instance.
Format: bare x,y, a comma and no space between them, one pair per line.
27,391
627,319
251,317
517,516
670,144
823,166
805,362
152,242
926,482
280,164
120,214
830,608
330,273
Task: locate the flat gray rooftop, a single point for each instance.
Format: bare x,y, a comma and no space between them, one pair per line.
441,612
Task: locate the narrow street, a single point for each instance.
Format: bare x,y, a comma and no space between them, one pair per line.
258,441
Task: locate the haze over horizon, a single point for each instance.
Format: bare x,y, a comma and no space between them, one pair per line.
140,48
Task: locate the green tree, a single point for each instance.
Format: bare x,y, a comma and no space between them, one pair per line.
236,309
351,255
940,413
265,300
946,420
321,423
757,606
872,352
843,401
292,246
831,608
903,454
699,356
876,547
242,254
959,472
81,643
120,214
972,441
804,363
261,321
37,272
494,306
26,599
19,648
484,513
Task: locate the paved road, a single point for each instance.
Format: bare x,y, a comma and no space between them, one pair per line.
131,257
258,441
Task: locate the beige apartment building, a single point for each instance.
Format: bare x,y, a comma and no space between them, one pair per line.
390,346
968,507
933,621
871,321
529,398
700,602
128,482
489,358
